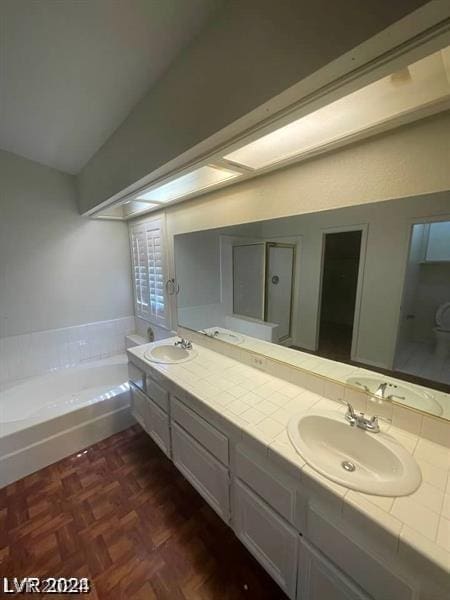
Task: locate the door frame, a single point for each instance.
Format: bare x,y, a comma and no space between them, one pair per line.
266,286
364,228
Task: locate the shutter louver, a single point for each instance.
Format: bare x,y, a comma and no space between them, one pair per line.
149,274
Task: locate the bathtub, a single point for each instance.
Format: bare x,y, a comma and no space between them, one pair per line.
46,418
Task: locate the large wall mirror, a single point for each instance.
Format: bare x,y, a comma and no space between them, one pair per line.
358,294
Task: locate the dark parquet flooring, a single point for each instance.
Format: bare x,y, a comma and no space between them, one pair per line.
122,515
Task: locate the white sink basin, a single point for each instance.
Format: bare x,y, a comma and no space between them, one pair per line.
403,394
373,463
169,354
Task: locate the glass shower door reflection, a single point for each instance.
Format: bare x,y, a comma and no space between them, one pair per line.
279,280
248,280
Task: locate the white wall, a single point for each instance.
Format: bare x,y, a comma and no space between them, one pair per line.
198,269
57,268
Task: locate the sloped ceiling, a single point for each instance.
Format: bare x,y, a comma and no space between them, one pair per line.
71,71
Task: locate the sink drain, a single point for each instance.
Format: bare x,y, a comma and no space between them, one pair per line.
348,466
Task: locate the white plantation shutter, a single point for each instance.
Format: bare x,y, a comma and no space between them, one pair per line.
149,271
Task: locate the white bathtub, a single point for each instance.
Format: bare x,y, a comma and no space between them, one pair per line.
46,418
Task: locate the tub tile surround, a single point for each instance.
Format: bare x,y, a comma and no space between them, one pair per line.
36,353
433,428
257,406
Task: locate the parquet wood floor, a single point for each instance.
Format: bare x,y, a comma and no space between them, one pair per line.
121,514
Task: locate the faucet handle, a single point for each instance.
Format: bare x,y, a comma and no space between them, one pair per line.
350,415
350,410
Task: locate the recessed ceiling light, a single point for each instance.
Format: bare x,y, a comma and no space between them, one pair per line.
195,181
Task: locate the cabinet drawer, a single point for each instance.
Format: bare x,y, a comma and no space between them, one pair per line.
157,393
373,576
202,470
272,541
158,427
207,435
261,479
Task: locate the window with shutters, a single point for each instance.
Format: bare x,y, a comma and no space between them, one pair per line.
147,239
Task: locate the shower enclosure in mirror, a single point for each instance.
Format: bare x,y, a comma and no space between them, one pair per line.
263,276
359,294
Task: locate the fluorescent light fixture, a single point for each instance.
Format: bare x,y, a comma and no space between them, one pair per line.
421,84
195,181
135,207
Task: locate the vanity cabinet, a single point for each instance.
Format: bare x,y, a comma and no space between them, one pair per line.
154,420
374,575
256,473
207,435
319,579
157,393
136,377
271,540
158,428
140,407
209,477
306,552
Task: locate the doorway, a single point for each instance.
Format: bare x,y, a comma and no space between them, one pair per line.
340,272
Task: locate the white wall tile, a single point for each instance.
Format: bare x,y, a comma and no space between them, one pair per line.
406,419
33,354
357,399
436,430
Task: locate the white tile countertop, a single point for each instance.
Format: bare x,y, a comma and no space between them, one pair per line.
337,371
259,406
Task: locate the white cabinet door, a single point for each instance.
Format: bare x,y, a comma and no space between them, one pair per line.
319,579
209,477
158,427
271,540
140,408
151,418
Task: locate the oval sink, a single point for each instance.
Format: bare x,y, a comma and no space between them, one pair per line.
403,394
373,463
169,354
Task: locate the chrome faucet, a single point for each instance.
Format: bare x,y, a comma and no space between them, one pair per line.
185,344
360,420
